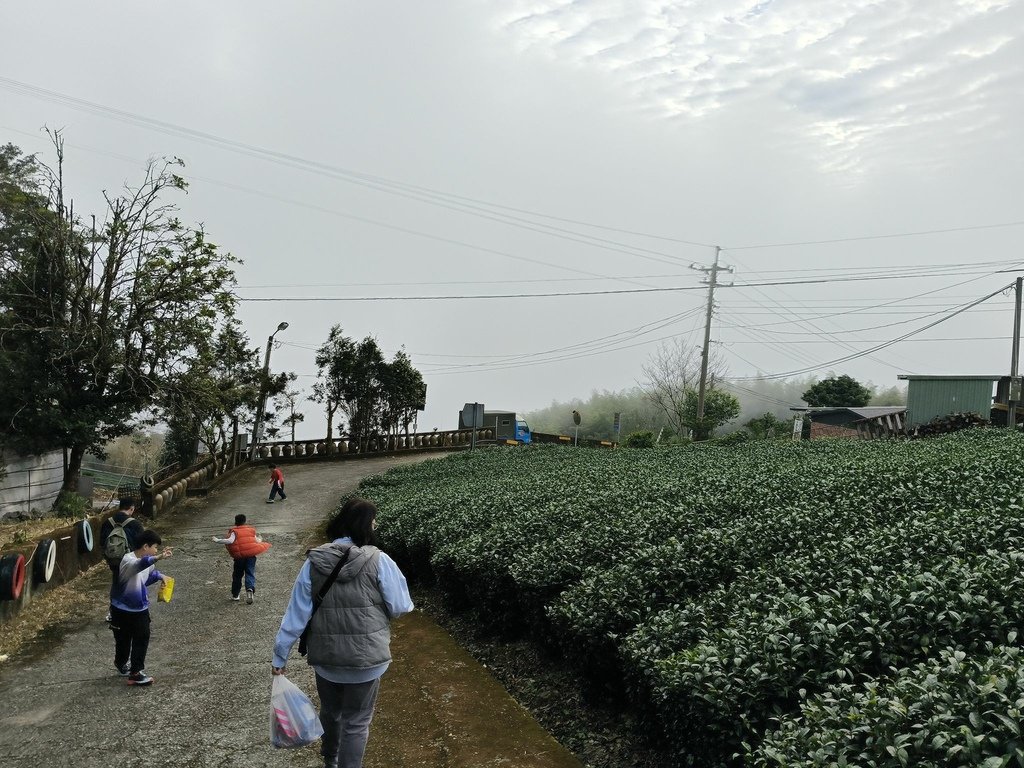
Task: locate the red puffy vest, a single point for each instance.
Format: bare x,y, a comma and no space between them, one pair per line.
245,544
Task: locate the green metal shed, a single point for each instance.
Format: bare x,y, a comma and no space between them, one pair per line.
929,397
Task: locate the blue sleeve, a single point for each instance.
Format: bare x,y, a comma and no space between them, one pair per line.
394,587
143,563
154,577
296,617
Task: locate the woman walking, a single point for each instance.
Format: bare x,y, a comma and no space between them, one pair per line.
347,591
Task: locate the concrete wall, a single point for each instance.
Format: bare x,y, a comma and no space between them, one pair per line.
29,482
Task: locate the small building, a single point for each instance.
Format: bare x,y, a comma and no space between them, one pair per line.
930,397
849,421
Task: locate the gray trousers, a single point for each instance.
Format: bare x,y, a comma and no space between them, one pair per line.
346,710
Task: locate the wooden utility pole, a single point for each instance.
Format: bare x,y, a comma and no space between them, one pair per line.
1013,394
712,281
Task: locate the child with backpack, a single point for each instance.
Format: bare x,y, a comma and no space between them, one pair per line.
118,534
243,544
129,606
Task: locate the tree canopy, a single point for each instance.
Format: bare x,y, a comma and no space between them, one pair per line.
720,408
97,321
376,396
837,392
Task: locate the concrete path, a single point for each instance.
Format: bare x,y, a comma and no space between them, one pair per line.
64,705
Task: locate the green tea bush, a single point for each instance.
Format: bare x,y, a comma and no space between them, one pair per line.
956,709
641,439
725,588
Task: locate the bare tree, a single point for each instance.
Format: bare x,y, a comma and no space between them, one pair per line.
672,371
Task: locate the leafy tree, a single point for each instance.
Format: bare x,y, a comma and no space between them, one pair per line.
768,425
837,392
720,407
404,394
329,388
97,323
219,390
376,396
672,372
287,403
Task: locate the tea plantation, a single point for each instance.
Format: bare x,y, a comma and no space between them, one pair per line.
770,604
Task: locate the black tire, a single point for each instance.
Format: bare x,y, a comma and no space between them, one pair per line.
86,540
45,561
12,576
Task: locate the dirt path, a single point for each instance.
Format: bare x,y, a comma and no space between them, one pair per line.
63,705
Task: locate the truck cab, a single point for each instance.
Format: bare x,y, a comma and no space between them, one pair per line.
522,432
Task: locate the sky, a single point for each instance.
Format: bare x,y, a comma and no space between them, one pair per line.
858,164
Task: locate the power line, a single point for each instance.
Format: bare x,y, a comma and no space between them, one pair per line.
373,222
600,343
416,192
874,348
459,203
453,297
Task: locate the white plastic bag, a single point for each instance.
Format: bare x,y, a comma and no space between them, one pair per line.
293,719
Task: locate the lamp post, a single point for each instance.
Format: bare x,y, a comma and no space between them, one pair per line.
257,430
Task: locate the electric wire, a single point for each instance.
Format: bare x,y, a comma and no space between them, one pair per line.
877,347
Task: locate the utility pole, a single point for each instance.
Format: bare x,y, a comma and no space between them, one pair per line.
1014,393
712,282
257,429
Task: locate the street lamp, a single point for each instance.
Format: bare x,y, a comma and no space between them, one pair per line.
257,431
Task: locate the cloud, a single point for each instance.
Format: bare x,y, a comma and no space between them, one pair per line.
859,77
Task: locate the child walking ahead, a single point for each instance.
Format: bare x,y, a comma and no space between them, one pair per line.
243,545
276,483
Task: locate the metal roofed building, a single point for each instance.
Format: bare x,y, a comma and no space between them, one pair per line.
930,397
848,421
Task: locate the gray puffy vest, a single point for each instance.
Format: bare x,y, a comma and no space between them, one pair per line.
351,630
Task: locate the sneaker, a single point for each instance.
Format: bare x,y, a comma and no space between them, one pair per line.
249,594
108,618
270,501
235,598
140,678
123,670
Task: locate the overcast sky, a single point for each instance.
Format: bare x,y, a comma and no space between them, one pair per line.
383,149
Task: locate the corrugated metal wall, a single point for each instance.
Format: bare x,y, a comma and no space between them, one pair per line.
927,399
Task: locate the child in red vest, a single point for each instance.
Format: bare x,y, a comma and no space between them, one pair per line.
243,545
276,483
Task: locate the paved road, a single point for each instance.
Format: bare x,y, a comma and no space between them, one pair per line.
65,706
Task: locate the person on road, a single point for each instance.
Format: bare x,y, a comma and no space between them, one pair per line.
349,637
276,483
244,544
129,606
124,540
126,531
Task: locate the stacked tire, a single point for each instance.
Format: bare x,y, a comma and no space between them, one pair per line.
45,561
12,576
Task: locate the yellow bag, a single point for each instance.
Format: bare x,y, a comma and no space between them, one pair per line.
166,590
